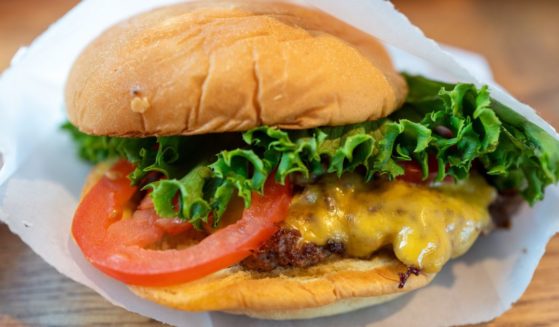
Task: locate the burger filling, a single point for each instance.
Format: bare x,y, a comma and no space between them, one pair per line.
425,226
419,182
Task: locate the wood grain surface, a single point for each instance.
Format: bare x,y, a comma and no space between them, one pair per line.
519,38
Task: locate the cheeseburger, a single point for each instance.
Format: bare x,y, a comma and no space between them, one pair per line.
267,159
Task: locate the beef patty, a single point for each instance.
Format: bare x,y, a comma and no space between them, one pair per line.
286,248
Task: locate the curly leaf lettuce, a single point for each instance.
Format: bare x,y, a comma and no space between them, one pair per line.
515,153
456,125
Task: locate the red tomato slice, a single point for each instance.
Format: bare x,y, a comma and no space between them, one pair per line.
173,226
414,174
116,246
140,230
146,203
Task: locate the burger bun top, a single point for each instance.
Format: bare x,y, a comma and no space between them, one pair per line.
216,66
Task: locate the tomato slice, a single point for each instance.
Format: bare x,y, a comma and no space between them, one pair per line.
414,174
116,246
171,226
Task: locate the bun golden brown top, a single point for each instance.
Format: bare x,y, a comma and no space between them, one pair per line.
229,66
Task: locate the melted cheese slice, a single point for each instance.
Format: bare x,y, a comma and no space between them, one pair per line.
426,226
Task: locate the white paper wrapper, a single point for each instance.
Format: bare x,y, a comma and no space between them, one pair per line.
41,177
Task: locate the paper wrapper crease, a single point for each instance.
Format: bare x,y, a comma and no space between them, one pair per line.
41,177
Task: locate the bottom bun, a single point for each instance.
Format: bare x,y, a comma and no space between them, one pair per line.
329,288
338,307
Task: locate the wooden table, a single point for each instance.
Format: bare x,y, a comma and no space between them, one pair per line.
520,40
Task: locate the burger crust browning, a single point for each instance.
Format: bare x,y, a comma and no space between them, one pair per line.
230,66
329,288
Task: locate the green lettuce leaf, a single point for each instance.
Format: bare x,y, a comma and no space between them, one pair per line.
192,204
457,125
516,154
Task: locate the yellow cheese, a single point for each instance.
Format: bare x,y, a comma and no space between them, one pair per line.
426,226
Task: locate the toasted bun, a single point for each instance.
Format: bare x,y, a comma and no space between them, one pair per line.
330,288
217,66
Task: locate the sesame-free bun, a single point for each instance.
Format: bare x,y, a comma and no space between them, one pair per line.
219,66
330,288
